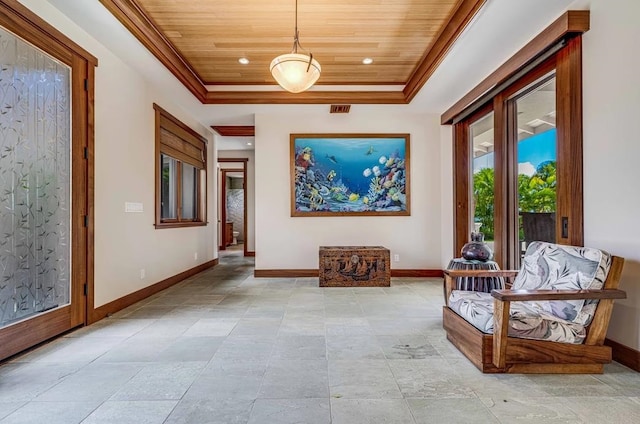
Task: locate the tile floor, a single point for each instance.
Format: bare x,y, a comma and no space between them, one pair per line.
224,347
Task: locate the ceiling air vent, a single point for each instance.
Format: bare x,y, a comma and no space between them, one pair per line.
340,108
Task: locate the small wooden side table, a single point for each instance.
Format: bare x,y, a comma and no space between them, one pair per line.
485,284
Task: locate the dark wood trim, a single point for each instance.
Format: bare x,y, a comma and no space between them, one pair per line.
90,281
569,189
623,354
307,97
570,24
235,130
23,335
524,295
79,192
284,273
426,273
293,273
223,205
233,159
145,30
250,253
192,137
223,211
168,122
448,35
502,165
128,300
223,202
18,19
462,157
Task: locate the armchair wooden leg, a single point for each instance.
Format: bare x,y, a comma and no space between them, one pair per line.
500,332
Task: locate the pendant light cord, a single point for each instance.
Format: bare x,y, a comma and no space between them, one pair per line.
296,40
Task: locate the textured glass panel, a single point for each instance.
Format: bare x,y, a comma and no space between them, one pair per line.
189,192
168,191
35,177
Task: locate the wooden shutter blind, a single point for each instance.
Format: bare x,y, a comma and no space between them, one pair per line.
177,140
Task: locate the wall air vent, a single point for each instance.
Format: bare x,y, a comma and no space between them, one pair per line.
340,108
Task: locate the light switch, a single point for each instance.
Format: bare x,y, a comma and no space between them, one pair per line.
133,207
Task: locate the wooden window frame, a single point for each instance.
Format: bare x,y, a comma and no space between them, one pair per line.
193,145
517,73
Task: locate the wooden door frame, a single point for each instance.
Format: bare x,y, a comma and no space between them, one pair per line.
223,200
19,20
557,47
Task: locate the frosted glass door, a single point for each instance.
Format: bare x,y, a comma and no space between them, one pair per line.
35,181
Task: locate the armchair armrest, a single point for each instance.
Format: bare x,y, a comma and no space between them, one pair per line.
524,295
502,304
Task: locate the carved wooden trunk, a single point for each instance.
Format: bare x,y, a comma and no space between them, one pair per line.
354,266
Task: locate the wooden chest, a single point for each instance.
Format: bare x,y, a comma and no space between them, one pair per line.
354,266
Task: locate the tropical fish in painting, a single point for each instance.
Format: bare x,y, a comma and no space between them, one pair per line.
304,158
370,151
366,173
331,175
332,159
382,160
353,197
376,171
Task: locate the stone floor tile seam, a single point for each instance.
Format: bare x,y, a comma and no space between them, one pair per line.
240,298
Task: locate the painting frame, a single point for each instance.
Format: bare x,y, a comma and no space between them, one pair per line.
350,174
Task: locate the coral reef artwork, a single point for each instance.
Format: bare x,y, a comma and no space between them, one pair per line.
343,174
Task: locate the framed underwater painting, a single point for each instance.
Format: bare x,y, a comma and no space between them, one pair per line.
350,174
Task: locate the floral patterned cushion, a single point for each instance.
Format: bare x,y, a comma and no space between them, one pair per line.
547,266
524,322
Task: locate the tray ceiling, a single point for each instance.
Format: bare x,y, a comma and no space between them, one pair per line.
200,41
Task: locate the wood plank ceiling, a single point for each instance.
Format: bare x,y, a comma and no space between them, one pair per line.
200,41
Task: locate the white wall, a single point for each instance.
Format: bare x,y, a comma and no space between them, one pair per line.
611,88
285,242
251,189
125,243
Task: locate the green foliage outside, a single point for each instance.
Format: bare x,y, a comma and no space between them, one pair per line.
536,194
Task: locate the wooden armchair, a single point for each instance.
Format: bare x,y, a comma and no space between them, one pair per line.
554,318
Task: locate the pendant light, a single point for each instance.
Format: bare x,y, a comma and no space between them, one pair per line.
295,72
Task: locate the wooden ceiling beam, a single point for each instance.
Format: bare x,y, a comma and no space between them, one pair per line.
306,97
235,130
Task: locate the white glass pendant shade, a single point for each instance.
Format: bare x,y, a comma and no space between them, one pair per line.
294,73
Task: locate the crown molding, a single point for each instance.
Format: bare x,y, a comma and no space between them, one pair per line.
134,18
448,35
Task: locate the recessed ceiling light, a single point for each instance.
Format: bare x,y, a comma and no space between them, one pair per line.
243,60
248,143
367,61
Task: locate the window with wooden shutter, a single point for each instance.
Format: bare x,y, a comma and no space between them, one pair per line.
181,173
